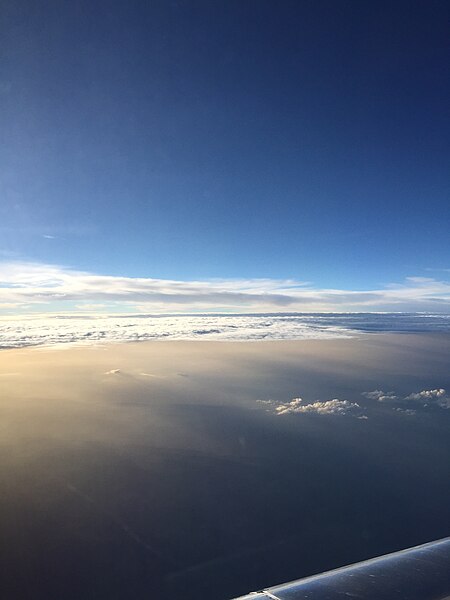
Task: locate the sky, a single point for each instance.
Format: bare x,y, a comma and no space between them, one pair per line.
206,148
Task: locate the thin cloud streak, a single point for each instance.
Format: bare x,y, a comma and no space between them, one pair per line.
43,284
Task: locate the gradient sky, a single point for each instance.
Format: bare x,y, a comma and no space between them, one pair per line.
303,140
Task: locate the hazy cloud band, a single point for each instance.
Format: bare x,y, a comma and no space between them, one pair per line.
27,287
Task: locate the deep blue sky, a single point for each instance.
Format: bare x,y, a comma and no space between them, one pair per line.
199,139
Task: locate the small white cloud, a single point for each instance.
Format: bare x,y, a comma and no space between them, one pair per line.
405,411
380,396
427,394
268,405
327,407
152,375
112,372
436,397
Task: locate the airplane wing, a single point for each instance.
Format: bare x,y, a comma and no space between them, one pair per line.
419,573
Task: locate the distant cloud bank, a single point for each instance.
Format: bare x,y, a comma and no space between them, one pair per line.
30,286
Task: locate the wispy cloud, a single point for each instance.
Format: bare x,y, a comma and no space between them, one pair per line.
44,284
381,396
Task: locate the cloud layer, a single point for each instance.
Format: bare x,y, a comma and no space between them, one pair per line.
47,287
29,330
